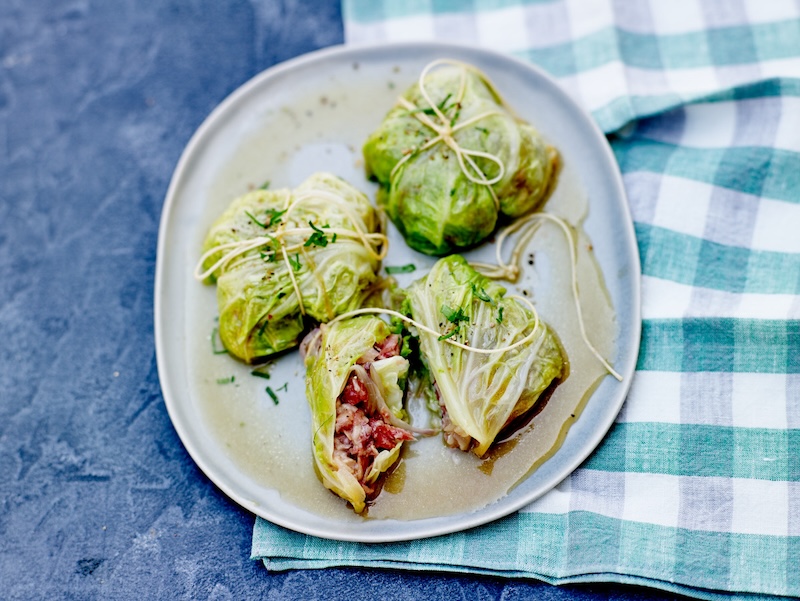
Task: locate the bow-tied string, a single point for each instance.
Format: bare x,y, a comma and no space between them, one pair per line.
525,226
447,127
374,242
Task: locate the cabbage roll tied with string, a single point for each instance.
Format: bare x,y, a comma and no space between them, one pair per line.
280,257
480,393
451,157
354,376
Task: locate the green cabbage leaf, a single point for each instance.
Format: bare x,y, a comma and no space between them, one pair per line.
338,351
260,311
426,191
480,393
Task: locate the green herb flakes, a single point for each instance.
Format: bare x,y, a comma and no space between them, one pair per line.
318,238
214,348
295,261
408,268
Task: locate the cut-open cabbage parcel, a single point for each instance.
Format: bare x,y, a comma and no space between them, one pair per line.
354,377
280,255
451,157
481,387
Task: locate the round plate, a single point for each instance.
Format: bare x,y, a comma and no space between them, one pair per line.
313,113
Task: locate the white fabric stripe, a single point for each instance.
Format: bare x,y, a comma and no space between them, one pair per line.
554,501
548,24
785,67
665,299
356,32
760,507
653,397
416,27
504,30
759,401
761,11
676,16
603,85
788,135
589,16
652,499
682,205
688,84
711,125
717,122
777,226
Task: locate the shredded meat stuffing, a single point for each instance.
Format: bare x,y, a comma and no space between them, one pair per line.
454,437
360,436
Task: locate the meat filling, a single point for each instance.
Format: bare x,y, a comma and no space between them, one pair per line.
454,437
362,422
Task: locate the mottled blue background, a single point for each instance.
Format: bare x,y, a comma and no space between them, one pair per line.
98,498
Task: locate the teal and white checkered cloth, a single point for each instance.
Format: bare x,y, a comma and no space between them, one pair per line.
696,489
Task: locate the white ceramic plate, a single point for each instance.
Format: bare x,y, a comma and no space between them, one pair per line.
313,113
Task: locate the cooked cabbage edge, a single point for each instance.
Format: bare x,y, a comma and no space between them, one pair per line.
428,191
480,393
260,310
342,349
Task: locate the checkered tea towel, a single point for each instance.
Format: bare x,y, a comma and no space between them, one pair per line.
696,488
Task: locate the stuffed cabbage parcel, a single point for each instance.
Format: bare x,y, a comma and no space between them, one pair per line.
480,394
278,256
353,385
451,158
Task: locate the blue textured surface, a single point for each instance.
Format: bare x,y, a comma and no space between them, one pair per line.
98,498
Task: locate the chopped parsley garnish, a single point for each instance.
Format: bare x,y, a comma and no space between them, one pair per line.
273,218
455,116
284,388
454,316
260,374
226,380
483,130
499,314
452,333
272,395
481,294
265,185
295,261
268,254
318,238
214,349
408,268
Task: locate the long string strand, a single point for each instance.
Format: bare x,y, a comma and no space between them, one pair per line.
376,244
510,270
420,326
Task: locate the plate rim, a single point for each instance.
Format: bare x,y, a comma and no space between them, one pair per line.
495,510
